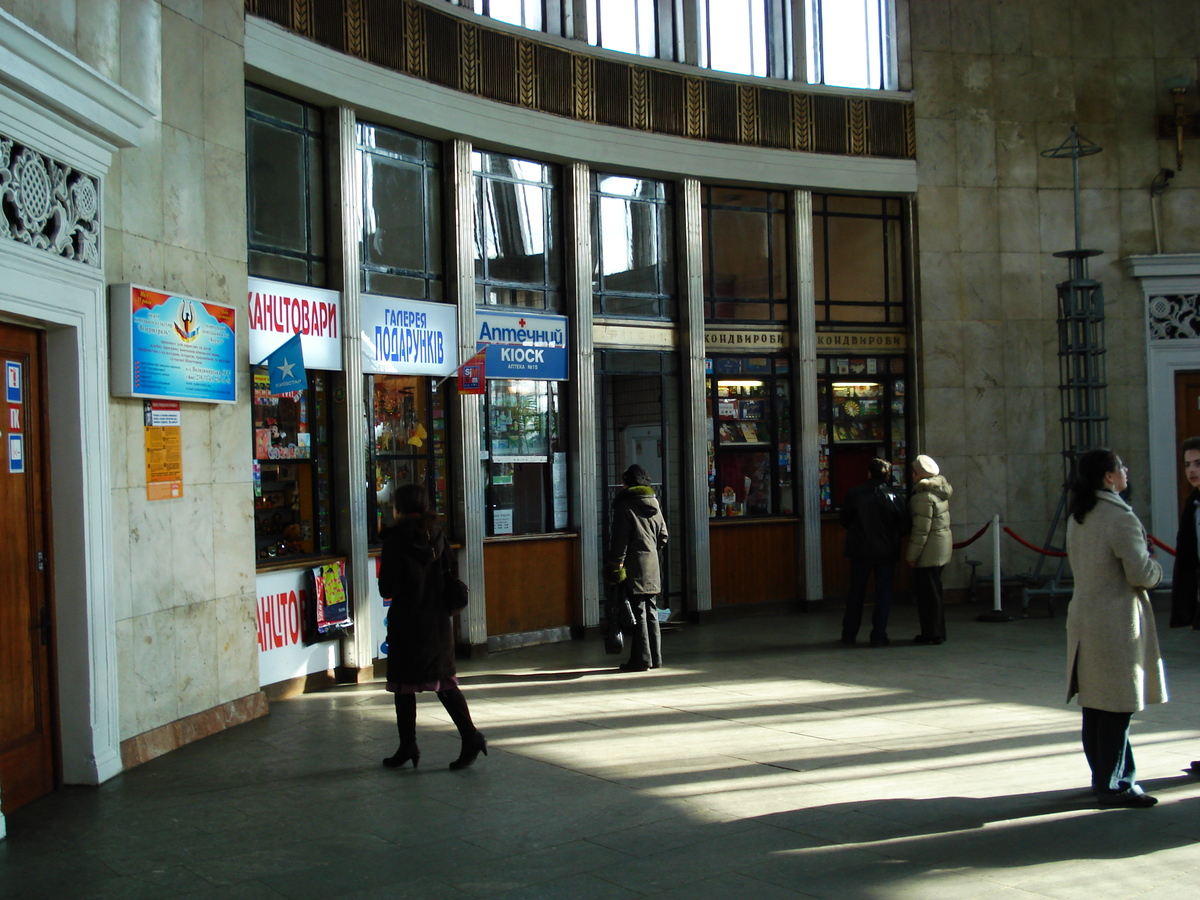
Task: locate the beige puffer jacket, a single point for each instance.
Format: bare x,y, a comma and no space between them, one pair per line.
930,542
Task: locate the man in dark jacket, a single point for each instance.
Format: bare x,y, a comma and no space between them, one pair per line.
1185,577
639,533
876,518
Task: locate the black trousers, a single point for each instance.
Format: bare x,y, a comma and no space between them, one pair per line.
1106,746
927,589
645,639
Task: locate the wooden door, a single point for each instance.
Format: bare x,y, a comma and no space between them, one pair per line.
1187,423
27,720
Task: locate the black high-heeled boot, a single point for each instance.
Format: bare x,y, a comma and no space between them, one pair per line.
473,741
406,724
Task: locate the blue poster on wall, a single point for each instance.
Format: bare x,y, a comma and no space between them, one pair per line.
523,345
170,347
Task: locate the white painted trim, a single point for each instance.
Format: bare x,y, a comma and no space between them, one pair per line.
280,59
68,301
56,81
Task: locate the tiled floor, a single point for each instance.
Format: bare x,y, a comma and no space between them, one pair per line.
765,762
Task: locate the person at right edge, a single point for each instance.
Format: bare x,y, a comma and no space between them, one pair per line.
1113,662
876,518
1185,610
929,546
639,533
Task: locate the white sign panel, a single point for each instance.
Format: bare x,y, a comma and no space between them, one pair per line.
279,309
407,337
281,651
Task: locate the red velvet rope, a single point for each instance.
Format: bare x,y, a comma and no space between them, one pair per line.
1020,540
973,538
1157,543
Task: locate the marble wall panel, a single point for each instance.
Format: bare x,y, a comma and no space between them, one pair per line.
975,142
1026,430
127,687
970,27
974,77
1022,292
1091,31
941,286
226,283
937,152
1056,217
983,362
154,654
196,670
1011,28
54,21
225,202
231,443
1032,502
1100,220
153,574
183,189
944,411
129,419
141,50
985,419
1181,224
184,271
118,446
937,218
183,85
1018,220
1137,160
978,220
1132,31
942,352
98,36
1025,352
140,185
237,645
197,444
224,93
233,541
226,18
192,10
193,528
935,82
122,564
981,287
985,483
1176,29
1016,155
1134,91
930,25
142,261
1051,28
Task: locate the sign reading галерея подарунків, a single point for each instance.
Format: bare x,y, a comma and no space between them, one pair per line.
407,337
171,347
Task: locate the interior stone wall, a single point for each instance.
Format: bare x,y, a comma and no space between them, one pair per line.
996,82
174,219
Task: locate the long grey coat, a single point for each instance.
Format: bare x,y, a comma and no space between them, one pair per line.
1112,646
930,543
639,532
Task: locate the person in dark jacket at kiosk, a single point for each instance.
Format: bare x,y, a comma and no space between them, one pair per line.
415,562
876,518
1185,578
639,533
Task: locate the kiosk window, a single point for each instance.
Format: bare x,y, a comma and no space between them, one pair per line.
292,498
524,458
750,437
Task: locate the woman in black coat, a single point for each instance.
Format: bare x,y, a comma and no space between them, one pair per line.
416,562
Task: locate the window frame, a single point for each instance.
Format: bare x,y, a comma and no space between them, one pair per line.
666,297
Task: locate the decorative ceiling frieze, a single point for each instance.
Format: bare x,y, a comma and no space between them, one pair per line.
447,49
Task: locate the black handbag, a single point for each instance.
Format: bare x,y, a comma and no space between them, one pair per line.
618,618
454,590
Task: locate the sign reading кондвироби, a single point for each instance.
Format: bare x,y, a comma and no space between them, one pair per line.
522,344
407,337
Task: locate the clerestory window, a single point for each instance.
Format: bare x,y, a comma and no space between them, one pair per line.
851,44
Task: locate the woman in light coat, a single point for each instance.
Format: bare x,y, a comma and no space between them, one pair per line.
929,546
1113,662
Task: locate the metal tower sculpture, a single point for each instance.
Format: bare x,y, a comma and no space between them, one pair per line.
1082,385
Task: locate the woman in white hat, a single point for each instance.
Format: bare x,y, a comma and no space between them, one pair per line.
929,546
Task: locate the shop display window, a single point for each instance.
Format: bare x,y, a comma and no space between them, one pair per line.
407,446
750,471
861,416
292,501
524,458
